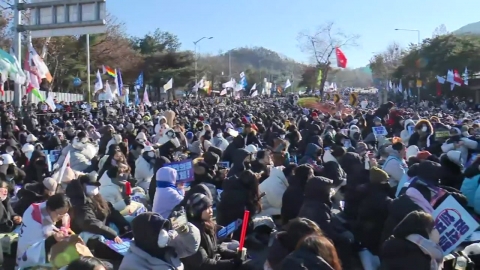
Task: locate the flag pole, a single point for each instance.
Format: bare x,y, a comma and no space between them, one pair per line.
88,69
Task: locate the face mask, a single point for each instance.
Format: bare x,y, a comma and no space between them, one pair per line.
91,190
3,197
219,135
424,129
10,153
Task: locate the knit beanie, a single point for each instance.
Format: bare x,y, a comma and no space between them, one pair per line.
378,175
197,203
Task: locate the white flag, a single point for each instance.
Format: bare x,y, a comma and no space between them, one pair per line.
42,68
146,100
242,74
98,83
230,84
287,84
450,76
50,102
254,94
254,87
167,86
224,92
108,92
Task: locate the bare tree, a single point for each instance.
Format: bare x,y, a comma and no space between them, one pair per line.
385,63
440,30
321,44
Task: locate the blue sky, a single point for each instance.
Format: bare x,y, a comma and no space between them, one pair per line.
275,24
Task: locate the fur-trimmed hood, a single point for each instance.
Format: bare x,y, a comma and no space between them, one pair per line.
424,122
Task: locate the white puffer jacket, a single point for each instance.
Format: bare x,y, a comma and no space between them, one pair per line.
274,187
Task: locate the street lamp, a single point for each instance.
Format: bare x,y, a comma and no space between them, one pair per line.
411,30
418,44
195,43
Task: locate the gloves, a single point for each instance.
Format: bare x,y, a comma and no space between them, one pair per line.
127,200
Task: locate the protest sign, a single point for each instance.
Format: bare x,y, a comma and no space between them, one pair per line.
120,248
229,229
436,192
379,131
184,169
411,129
473,157
453,223
224,164
54,155
442,134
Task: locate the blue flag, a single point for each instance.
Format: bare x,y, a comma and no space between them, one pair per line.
119,82
139,80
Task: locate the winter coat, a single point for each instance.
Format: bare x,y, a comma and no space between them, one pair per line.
405,135
86,219
166,198
30,193
302,259
234,201
292,199
401,254
396,167
81,155
6,216
143,173
398,210
467,144
220,143
112,193
372,213
238,162
274,187
209,255
185,244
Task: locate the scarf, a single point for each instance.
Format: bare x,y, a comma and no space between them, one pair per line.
165,184
429,248
419,200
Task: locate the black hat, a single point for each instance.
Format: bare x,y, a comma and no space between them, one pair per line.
89,179
197,203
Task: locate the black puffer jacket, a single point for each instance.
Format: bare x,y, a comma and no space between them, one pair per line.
86,218
209,255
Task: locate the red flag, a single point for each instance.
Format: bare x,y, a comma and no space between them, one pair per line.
439,89
341,59
457,78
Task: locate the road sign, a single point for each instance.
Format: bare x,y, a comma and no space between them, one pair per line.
336,98
65,17
353,100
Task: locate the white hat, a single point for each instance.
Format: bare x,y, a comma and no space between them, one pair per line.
412,151
7,159
28,148
252,149
148,148
31,138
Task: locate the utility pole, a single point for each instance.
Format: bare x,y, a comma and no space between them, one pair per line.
196,57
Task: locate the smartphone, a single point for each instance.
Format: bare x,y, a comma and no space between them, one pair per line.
178,220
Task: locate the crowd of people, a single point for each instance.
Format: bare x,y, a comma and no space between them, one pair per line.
170,183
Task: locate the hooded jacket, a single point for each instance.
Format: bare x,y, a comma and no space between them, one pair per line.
143,173
238,162
86,219
166,198
81,154
112,192
405,135
274,187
